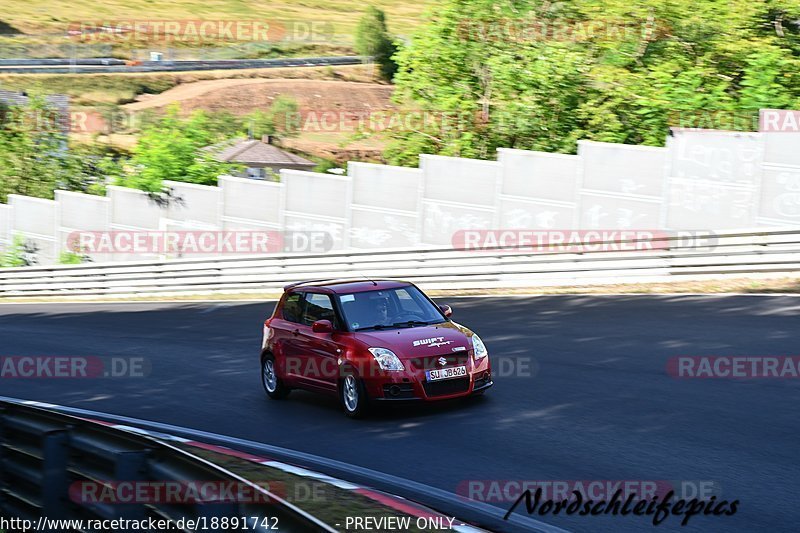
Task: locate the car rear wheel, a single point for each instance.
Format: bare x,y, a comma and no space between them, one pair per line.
273,385
353,396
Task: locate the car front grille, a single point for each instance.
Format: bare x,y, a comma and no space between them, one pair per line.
431,362
446,387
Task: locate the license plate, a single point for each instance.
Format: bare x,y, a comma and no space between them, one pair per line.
446,373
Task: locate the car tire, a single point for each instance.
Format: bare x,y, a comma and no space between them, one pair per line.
353,396
273,385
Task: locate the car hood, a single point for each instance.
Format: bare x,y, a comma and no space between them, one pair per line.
420,341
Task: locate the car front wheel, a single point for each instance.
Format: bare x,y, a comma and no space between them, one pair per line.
353,396
273,385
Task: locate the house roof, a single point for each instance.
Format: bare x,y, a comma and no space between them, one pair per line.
255,151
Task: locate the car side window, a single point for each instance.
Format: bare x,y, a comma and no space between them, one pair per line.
318,307
293,307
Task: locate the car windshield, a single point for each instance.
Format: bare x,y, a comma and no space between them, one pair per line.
402,307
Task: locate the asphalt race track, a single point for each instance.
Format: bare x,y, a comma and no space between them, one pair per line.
111,66
598,403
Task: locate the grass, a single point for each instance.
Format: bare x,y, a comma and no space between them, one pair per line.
93,89
57,46
341,16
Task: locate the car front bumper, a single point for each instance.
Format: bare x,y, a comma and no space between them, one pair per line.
412,385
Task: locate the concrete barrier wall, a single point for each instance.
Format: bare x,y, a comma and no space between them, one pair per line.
81,212
35,220
538,190
197,206
779,201
621,186
457,194
714,179
134,210
5,226
251,204
317,202
701,180
385,207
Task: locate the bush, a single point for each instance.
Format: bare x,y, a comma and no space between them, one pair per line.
73,258
372,39
22,252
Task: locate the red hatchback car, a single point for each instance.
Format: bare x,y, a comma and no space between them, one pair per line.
369,341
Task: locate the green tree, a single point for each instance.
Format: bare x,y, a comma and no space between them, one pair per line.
280,120
223,123
372,39
32,150
89,167
172,148
36,157
541,76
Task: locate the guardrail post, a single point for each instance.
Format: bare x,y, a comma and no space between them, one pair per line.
130,466
3,502
54,469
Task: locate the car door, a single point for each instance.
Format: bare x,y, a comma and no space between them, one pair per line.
286,331
318,352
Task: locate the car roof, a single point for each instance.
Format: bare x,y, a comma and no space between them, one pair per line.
347,286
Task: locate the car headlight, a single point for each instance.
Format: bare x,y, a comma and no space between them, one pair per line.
479,349
386,359
266,336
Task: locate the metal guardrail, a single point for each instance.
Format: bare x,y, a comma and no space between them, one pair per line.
82,61
482,515
42,453
83,66
730,254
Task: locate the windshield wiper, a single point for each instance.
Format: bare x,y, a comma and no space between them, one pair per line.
407,324
411,323
376,326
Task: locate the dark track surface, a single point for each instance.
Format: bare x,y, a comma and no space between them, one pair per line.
599,405
112,66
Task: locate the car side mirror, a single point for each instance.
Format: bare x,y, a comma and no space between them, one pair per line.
448,312
322,326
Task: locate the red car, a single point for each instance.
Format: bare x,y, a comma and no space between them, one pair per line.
369,341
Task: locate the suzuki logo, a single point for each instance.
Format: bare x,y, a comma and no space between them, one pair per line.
442,361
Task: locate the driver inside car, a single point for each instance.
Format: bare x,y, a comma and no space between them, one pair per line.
383,317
